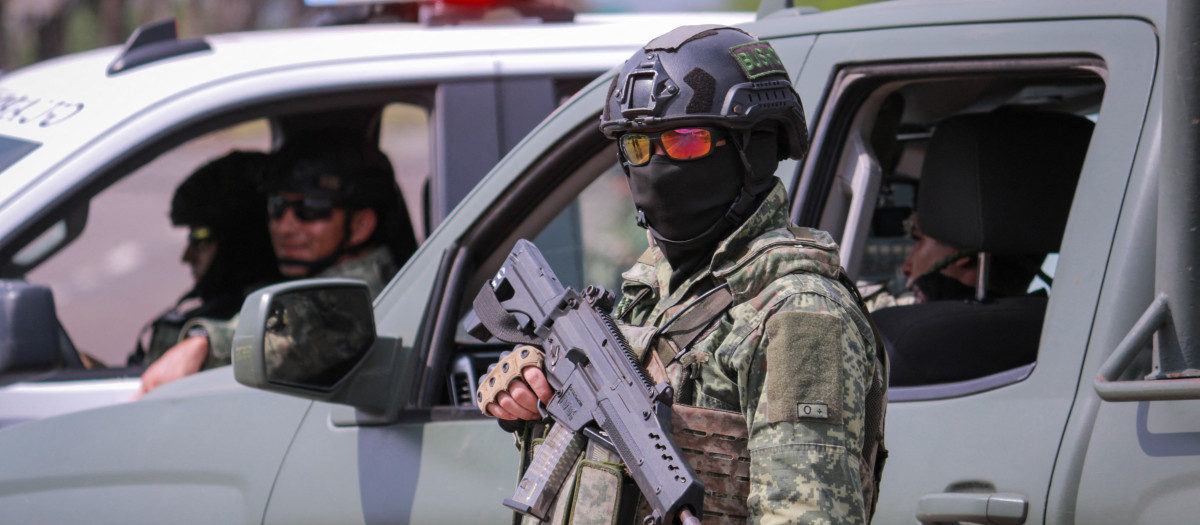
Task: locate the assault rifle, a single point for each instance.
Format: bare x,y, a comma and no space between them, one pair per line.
600,390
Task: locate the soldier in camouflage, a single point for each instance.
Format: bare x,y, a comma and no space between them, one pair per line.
228,259
334,210
779,384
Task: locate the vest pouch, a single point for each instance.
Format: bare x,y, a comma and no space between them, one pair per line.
598,492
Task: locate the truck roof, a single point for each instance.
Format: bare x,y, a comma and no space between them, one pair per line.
912,13
59,105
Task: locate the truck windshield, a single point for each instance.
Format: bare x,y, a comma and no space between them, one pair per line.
11,150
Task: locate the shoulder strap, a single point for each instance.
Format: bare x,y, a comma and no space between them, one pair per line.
874,453
692,323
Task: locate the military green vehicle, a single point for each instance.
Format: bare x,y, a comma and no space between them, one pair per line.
1093,420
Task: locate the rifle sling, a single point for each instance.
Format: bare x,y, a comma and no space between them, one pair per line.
502,324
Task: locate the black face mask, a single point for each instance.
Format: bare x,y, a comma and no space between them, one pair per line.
686,204
682,199
936,286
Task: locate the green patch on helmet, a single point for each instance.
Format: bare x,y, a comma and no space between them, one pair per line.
757,59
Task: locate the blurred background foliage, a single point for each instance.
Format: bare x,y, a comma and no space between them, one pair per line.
35,30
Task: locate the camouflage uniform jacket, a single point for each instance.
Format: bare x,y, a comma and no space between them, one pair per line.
375,268
793,354
877,296
163,332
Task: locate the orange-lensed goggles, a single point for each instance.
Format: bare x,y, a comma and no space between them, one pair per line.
678,144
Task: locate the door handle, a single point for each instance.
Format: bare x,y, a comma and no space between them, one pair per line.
998,508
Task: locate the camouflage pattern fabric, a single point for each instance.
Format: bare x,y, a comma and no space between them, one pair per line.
794,355
165,331
594,493
375,268
162,337
877,296
314,338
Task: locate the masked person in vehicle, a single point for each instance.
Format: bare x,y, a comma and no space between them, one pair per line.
334,210
937,271
977,201
229,256
781,357
986,219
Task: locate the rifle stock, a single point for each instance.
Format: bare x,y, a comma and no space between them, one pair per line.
597,382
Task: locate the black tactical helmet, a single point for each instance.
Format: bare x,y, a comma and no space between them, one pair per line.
223,194
353,172
350,170
707,75
223,197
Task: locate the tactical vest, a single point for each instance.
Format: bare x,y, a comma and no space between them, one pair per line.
715,441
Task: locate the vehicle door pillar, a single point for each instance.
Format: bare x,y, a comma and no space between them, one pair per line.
1177,271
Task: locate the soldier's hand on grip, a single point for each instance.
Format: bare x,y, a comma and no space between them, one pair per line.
514,385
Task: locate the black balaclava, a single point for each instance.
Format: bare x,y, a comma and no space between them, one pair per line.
937,286
690,205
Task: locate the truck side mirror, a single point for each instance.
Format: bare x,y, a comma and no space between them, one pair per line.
304,337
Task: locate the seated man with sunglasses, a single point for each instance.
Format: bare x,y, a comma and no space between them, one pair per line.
749,318
334,210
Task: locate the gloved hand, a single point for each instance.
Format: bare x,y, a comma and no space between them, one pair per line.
514,385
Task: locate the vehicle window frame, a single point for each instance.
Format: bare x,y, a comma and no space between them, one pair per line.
553,182
13,149
73,207
129,161
853,84
849,91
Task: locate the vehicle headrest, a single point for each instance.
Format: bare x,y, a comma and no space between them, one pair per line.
29,330
1003,181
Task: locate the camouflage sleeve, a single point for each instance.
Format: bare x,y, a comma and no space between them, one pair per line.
637,291
220,338
808,374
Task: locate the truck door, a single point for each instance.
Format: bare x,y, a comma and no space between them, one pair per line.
1131,452
979,447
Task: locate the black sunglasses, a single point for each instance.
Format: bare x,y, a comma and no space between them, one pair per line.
306,208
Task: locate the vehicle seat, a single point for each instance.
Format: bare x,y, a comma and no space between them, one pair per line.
1000,183
31,338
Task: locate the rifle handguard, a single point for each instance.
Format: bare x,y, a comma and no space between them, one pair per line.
507,370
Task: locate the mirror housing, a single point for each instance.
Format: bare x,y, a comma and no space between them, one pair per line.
308,339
